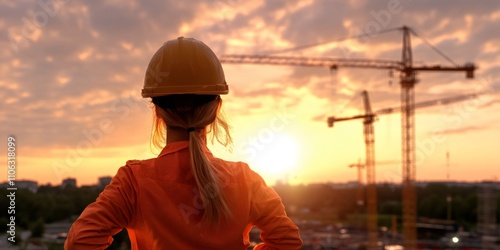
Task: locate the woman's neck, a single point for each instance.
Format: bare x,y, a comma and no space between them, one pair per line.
180,134
176,134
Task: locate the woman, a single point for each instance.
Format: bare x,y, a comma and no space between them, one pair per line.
185,198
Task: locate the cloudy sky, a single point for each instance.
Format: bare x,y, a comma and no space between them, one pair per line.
71,74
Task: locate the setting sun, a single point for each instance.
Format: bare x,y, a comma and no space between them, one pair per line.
277,158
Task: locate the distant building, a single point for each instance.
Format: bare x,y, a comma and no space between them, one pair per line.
344,185
30,185
447,183
104,181
69,182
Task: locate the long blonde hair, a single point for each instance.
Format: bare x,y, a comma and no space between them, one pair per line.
197,119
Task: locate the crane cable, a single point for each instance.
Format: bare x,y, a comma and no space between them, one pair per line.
311,45
438,51
344,107
306,46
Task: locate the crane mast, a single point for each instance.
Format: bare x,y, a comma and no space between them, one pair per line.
360,198
371,186
407,82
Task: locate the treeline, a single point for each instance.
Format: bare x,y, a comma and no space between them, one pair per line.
52,204
342,202
49,204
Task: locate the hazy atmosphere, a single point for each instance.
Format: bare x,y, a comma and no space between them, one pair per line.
72,71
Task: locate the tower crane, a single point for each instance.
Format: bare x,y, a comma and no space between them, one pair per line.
369,135
407,70
448,196
371,186
359,166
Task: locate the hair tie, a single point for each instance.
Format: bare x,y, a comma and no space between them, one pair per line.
191,129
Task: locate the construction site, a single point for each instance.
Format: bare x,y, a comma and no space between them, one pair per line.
443,221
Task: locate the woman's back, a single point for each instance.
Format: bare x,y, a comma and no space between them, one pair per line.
158,202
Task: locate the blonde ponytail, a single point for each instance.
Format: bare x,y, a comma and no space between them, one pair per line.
206,175
209,183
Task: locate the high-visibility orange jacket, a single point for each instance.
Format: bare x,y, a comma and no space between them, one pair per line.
158,202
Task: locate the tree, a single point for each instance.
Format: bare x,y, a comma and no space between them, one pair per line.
37,228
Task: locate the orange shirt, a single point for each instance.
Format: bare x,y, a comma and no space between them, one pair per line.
158,202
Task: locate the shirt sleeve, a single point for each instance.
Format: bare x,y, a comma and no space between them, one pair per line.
277,230
107,216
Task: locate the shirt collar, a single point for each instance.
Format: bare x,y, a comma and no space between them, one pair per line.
174,147
178,146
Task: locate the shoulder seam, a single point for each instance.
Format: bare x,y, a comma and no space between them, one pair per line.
133,162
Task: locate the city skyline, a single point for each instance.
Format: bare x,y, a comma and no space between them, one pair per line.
33,185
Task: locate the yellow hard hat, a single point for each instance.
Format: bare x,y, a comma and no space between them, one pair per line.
184,66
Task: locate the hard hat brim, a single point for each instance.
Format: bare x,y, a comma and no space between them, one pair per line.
192,89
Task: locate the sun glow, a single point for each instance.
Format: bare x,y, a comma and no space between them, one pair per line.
278,157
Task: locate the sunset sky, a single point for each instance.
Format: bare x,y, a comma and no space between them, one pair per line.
71,74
